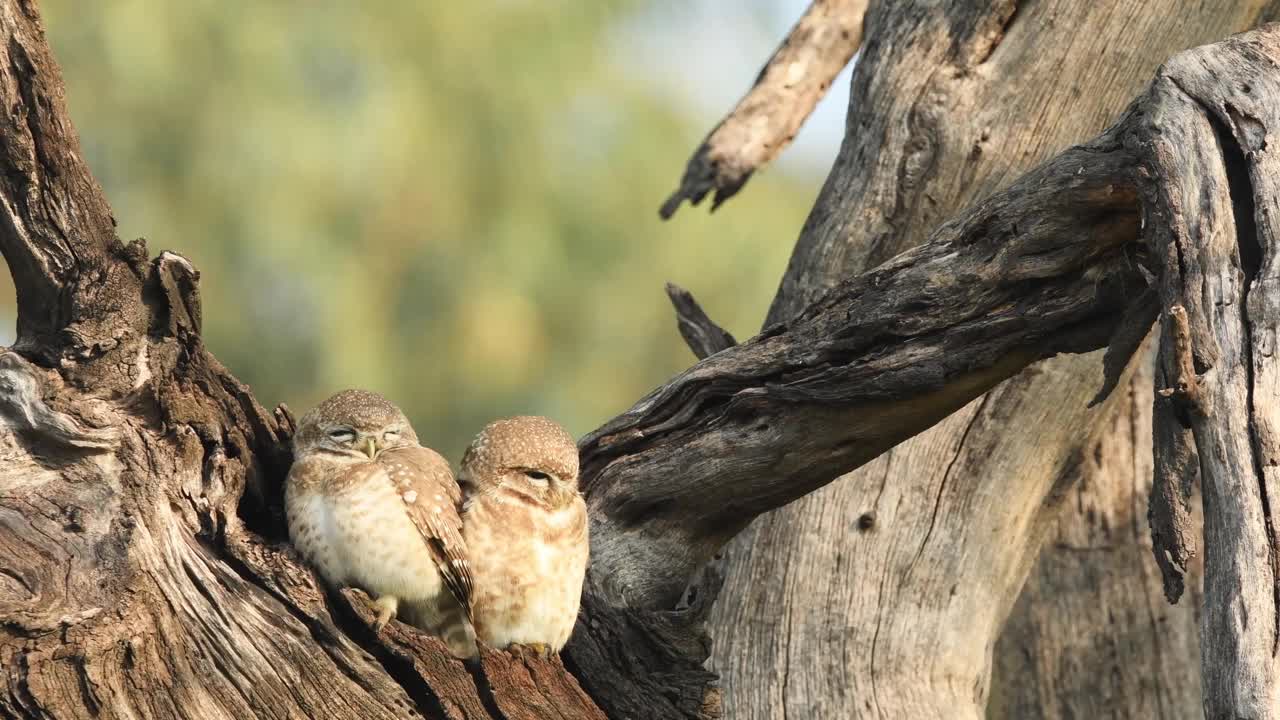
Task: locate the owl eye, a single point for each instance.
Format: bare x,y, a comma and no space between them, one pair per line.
391,435
537,475
342,435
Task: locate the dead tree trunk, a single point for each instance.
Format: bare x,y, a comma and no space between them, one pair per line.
144,570
949,101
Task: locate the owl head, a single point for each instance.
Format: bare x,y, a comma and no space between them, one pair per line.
353,425
528,453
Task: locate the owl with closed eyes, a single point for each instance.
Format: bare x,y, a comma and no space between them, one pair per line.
526,527
369,507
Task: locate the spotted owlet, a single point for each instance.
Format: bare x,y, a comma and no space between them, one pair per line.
371,508
526,527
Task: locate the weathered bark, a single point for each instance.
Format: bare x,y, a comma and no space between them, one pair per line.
1034,271
1091,634
765,121
842,598
143,566
700,333
1211,202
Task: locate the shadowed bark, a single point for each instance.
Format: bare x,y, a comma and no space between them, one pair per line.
1091,634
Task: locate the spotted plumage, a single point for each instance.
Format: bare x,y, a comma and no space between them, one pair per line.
526,529
371,508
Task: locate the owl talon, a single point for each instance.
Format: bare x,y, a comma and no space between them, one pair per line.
386,605
543,650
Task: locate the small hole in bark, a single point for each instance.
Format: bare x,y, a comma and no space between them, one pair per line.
1246,88
1201,367
866,521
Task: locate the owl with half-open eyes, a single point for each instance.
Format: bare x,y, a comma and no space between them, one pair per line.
526,528
369,507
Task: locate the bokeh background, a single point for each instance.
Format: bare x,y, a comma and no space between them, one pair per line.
454,203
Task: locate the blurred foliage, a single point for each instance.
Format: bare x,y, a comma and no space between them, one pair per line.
452,203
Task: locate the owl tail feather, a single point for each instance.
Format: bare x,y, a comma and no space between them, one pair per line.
461,639
452,626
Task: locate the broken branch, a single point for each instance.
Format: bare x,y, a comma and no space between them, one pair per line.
703,336
766,120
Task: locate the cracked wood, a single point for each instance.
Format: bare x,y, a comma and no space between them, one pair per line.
949,102
1211,199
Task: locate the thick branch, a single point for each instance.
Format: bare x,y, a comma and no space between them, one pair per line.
1039,269
1211,202
766,120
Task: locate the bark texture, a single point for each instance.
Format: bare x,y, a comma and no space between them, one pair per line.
144,571
1092,634
1034,271
1212,199
841,599
766,120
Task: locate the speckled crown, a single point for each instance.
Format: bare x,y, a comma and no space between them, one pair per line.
363,410
524,441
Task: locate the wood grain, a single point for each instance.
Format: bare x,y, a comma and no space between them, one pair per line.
1091,634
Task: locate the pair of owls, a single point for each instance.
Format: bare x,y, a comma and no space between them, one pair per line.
497,555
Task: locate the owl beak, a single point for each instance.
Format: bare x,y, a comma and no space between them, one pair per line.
371,448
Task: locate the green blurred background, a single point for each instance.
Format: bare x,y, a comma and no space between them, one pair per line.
453,203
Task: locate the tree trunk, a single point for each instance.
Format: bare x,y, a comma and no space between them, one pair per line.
841,599
144,568
1092,634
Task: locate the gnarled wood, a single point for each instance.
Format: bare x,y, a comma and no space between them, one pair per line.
143,571
700,333
1211,199
56,230
1032,272
1176,474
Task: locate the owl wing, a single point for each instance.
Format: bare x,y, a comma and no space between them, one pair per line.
431,497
